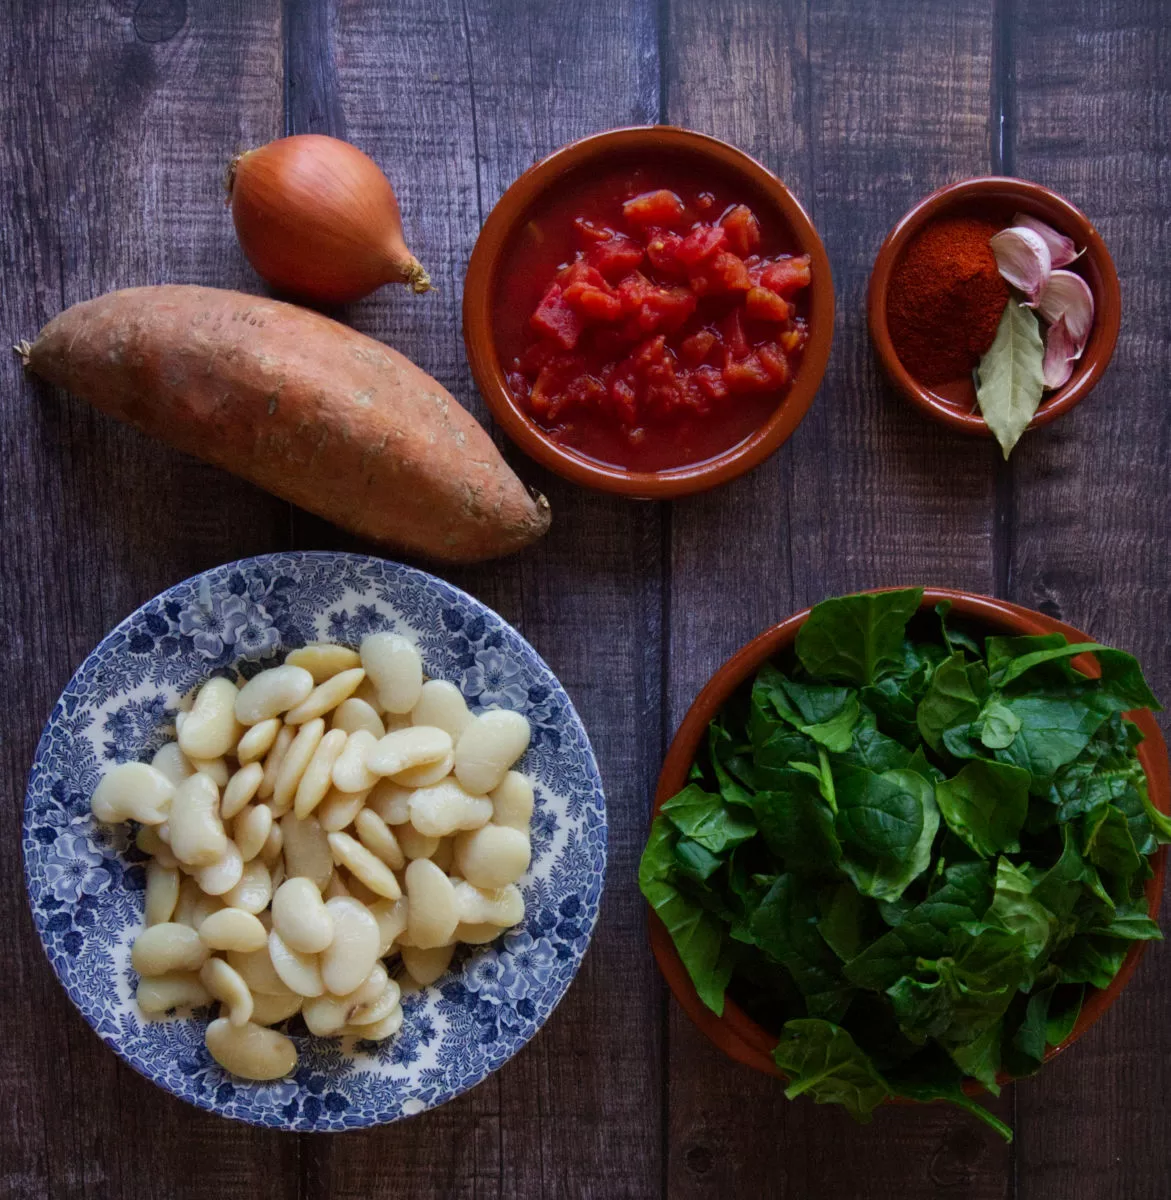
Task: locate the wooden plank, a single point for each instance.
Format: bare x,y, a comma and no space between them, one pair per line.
454,101
116,126
1091,510
861,109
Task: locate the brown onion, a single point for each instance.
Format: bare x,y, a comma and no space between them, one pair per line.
319,220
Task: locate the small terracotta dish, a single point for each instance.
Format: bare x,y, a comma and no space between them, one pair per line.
549,180
740,1037
999,198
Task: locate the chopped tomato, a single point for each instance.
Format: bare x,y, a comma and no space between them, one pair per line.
787,275
654,208
633,291
742,228
711,382
762,304
580,271
697,347
773,360
616,256
702,242
593,303
735,340
555,319
662,249
724,272
590,231
748,375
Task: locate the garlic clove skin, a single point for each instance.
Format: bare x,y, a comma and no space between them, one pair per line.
1062,251
1061,352
1068,295
1022,257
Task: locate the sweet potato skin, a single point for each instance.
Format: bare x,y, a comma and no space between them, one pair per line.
303,406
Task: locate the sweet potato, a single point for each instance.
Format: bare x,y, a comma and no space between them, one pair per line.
302,406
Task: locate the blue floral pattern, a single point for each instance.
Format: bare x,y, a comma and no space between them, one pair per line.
85,880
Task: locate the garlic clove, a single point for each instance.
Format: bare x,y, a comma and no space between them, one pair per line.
1022,257
1062,251
1068,295
1061,353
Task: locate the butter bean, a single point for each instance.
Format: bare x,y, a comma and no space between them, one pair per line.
257,741
431,912
327,1015
251,830
299,972
325,697
390,801
350,773
319,752
492,856
415,844
444,854
375,835
512,802
197,833
372,871
148,841
376,1009
178,989
391,916
442,704
416,746
477,934
307,849
490,744
257,971
272,1010
503,906
426,966
240,790
250,1051
162,893
271,693
396,668
323,659
167,947
223,874
210,729
227,985
446,808
300,916
380,1030
233,929
216,769
354,714
428,773
274,760
273,844
353,952
253,891
296,762
170,761
133,791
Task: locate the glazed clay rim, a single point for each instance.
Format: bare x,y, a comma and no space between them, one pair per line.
480,285
735,1033
1062,215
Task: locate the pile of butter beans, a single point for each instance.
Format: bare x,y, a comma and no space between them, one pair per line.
328,814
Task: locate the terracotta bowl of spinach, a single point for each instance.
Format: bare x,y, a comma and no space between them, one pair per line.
907,846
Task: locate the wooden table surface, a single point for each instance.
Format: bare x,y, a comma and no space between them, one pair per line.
117,119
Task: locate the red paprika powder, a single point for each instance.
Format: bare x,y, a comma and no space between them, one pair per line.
945,299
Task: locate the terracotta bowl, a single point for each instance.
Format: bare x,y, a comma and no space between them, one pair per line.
735,1032
999,198
642,143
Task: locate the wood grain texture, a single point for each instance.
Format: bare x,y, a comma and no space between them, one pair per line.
1091,511
116,122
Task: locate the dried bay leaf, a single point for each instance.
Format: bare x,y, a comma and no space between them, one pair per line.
1010,374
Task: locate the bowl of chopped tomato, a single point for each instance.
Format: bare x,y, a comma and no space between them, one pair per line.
648,311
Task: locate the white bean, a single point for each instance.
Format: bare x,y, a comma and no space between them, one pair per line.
299,972
339,809
391,916
189,894
272,692
274,760
379,1007
197,833
241,788
353,715
428,773
273,844
431,912
258,972
233,929
426,966
327,1015
300,916
391,802
442,704
226,984
503,906
296,762
492,856
223,874
272,1010
254,890
380,1030
148,841
133,791
162,892
356,888
415,844
210,729
336,887
307,849
350,773
394,665
476,935
325,696
251,830
172,762
257,741
375,835
216,769
415,746
444,854
512,802
250,1051
167,947
490,744
323,659
368,692
446,808
372,871
179,989
354,950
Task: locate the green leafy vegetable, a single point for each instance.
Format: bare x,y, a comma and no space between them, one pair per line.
907,851
1011,385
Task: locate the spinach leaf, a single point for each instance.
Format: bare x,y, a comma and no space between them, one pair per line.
1091,959
932,1076
1063,886
886,823
955,639
823,1060
857,639
997,725
1054,730
1107,842
694,861
1131,921
1015,908
981,1057
844,921
985,805
706,819
724,757
797,824
951,700
874,750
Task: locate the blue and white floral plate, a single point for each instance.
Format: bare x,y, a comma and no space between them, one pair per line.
86,881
